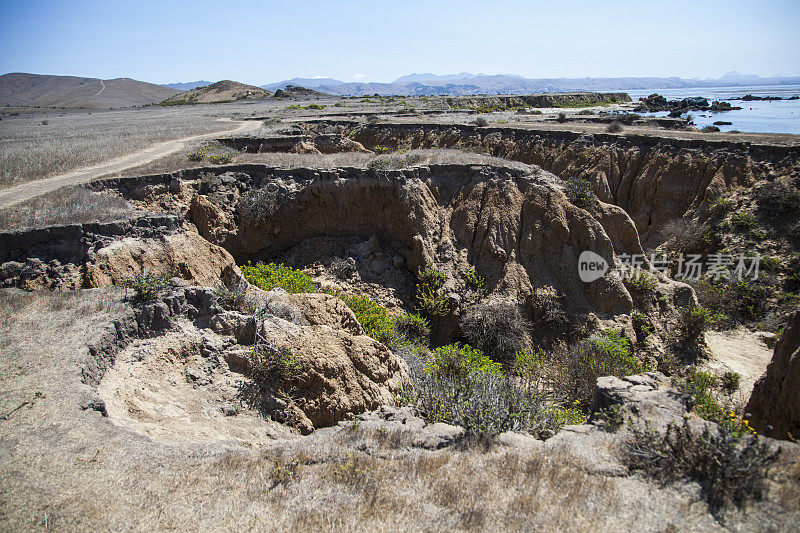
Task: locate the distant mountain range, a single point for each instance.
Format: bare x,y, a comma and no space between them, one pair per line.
428,84
29,90
21,89
189,85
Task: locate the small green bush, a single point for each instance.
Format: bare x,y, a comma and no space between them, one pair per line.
267,276
456,360
377,323
743,219
475,284
722,206
710,129
729,382
580,193
145,284
617,355
693,322
574,370
273,363
197,155
413,327
481,122
221,159
640,281
461,386
561,118
614,127
528,362
429,295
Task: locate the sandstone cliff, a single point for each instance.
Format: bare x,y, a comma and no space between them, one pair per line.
775,402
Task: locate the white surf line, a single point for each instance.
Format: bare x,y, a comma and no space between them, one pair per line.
103,89
31,189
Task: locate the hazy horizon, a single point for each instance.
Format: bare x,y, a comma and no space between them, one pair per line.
261,43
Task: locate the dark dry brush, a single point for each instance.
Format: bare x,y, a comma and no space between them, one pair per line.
497,328
732,470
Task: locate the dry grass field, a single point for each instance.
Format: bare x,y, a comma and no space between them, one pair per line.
41,145
69,205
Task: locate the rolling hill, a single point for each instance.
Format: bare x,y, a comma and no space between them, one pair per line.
36,90
221,91
187,86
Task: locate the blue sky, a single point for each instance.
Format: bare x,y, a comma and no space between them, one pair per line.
262,42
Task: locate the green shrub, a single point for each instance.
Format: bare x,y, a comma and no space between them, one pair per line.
197,155
693,322
429,295
413,327
640,281
729,382
145,284
377,323
743,219
734,301
561,118
273,363
710,129
722,206
580,193
456,360
528,362
221,159
642,325
616,354
461,386
481,122
574,370
614,127
267,276
475,284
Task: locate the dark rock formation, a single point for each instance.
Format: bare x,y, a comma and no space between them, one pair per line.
775,402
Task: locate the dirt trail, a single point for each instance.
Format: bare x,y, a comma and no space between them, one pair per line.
26,191
741,351
103,88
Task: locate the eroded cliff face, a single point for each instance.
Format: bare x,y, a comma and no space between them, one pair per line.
775,402
653,179
516,228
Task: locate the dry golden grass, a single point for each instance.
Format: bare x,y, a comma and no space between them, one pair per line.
179,161
31,150
69,205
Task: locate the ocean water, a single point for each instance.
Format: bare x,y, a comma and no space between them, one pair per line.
781,116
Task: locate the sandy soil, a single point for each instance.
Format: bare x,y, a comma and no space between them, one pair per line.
739,350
